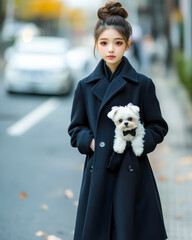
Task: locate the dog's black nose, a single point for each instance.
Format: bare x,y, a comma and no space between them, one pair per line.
126,124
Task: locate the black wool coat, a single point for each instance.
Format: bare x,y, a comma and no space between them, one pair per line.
119,198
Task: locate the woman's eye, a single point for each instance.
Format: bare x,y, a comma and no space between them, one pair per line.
119,43
103,43
120,120
130,119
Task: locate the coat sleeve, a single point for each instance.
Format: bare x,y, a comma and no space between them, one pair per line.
79,131
155,126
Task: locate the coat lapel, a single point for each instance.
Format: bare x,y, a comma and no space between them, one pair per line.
115,86
100,88
104,90
98,81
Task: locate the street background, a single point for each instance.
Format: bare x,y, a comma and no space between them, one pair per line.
40,173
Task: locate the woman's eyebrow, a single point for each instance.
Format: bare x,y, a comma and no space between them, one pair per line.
108,39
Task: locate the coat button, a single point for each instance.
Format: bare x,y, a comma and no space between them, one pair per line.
91,168
102,144
130,168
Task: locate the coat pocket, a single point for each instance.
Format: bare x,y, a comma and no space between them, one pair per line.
114,162
89,162
132,162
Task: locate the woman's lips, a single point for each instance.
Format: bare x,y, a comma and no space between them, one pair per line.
111,56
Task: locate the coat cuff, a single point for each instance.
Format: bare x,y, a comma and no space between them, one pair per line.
83,141
149,143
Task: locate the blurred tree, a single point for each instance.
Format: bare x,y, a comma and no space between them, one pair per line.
44,9
53,16
168,8
2,12
77,17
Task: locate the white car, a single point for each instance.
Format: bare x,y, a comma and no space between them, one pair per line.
85,66
38,65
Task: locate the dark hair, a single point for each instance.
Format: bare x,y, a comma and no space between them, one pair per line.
112,15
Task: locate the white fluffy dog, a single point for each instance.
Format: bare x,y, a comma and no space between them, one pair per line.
128,128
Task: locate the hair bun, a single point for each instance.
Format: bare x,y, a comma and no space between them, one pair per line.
112,9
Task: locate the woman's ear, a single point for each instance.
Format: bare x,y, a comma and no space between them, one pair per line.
128,44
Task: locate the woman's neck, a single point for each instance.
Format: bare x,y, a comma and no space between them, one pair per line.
113,66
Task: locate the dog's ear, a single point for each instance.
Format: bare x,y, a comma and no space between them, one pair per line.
112,113
134,108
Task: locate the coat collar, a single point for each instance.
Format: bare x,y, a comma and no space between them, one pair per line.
105,91
127,72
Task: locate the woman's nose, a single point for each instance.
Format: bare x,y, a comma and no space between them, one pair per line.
110,48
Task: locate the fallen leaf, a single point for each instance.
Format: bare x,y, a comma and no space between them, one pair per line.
44,207
165,149
178,217
186,160
189,176
159,165
180,202
69,193
23,195
40,234
52,237
181,179
75,203
162,178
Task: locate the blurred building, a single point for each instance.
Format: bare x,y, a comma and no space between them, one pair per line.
172,18
185,7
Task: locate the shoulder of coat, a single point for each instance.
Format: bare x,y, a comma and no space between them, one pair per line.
83,81
143,79
146,82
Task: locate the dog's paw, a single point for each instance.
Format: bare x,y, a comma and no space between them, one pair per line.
138,151
119,146
137,146
119,149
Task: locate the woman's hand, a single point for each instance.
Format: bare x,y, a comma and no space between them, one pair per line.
92,145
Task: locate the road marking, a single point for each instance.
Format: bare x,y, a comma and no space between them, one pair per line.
33,117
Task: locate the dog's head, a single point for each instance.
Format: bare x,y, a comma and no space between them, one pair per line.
125,118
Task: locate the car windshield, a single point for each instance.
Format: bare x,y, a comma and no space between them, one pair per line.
42,46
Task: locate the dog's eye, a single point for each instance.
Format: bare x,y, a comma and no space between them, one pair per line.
120,120
130,119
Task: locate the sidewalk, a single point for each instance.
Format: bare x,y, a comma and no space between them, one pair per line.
172,160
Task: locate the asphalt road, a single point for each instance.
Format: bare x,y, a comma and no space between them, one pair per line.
41,164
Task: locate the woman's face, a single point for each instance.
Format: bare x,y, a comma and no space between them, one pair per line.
112,46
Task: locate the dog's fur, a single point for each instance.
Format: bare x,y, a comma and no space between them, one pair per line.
127,118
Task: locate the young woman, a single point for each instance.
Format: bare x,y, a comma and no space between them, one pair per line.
119,199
